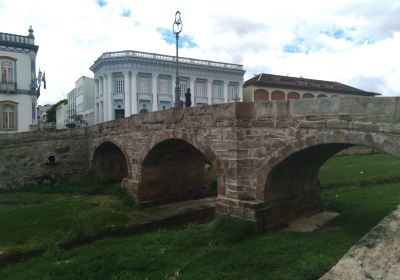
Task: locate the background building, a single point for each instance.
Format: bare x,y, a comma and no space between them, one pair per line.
18,94
71,109
276,87
81,103
129,82
85,99
61,115
42,116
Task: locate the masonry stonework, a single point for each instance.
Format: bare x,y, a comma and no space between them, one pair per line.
30,157
266,155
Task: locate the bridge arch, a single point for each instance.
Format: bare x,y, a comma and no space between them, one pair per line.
110,161
289,179
175,169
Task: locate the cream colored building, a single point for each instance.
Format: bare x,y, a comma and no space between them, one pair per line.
61,115
264,87
81,103
18,84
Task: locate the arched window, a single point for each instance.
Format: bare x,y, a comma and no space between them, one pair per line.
8,115
307,95
293,95
277,95
321,95
261,94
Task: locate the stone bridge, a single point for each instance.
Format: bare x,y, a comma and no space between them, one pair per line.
266,155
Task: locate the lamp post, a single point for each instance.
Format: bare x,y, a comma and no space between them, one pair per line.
177,28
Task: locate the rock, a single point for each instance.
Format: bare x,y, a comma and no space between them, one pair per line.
375,256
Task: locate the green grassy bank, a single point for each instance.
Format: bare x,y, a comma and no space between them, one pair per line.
225,249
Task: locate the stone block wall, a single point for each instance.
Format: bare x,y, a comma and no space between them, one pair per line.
26,158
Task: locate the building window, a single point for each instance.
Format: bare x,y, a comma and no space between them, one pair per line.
8,116
163,86
119,114
293,95
233,93
217,90
200,89
277,95
119,85
7,71
307,95
183,84
261,94
144,84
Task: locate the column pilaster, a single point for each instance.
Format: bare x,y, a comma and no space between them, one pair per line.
209,91
192,79
240,89
154,91
127,95
134,95
226,91
96,101
109,98
105,98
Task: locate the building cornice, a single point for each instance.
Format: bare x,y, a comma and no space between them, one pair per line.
134,57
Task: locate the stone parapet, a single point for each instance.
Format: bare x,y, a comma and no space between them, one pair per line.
375,256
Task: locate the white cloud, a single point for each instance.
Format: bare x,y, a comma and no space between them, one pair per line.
364,52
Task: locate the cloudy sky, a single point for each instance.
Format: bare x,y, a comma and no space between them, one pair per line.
356,42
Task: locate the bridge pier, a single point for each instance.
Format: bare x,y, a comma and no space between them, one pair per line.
253,211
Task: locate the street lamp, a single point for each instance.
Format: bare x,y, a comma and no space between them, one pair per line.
177,28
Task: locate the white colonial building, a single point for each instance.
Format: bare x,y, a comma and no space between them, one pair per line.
18,94
130,82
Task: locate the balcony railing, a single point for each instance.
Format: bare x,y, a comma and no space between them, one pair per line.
144,96
118,95
9,87
170,58
217,100
165,97
16,38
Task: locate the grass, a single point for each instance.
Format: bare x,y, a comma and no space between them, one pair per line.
360,170
228,248
41,217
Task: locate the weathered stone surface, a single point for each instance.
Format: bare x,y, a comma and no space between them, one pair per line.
376,256
222,112
317,106
268,151
282,110
24,157
312,124
264,110
245,111
382,106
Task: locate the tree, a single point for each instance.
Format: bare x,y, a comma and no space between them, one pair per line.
51,113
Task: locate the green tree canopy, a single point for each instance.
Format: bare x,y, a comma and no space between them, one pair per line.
51,113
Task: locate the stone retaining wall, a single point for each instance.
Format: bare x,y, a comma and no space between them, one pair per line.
32,157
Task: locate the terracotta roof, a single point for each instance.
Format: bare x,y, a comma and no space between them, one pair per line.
304,84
